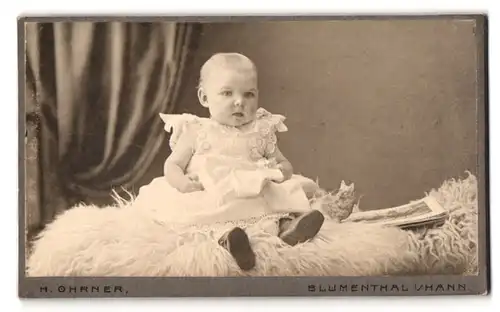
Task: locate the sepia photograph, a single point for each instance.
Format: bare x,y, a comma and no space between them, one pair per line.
336,150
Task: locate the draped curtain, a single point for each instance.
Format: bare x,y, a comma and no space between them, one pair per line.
96,91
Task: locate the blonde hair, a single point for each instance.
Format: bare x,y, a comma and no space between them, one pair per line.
225,60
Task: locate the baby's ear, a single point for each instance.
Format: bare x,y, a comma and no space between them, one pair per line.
202,97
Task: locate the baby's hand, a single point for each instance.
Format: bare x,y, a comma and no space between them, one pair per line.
192,185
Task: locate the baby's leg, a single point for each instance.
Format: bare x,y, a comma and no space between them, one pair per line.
301,228
285,222
237,243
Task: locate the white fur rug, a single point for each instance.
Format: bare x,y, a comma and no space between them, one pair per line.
123,241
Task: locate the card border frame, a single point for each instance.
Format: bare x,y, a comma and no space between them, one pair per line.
33,287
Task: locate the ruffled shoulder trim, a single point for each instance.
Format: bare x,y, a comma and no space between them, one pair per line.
275,121
178,124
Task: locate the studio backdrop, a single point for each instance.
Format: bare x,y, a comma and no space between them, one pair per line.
93,92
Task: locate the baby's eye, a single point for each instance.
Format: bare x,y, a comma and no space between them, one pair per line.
249,94
227,93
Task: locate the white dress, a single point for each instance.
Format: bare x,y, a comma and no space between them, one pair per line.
241,184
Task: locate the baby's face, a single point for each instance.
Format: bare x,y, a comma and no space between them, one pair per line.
231,96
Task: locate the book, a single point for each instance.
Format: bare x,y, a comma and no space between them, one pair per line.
423,212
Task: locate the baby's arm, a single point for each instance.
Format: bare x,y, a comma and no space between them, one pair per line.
175,165
283,163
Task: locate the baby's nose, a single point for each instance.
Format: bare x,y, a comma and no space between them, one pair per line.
238,101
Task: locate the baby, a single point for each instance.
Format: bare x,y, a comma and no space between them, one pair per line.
235,152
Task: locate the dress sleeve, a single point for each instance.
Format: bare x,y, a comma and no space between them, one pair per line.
177,125
274,122
268,125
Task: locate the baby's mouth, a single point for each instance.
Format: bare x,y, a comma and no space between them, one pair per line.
238,114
